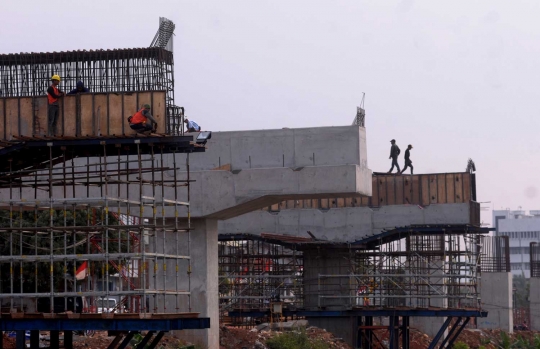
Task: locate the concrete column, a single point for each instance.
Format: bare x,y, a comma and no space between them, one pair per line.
534,297
431,325
496,298
330,261
204,283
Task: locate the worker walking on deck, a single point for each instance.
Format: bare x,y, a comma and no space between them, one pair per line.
408,161
140,121
394,153
53,94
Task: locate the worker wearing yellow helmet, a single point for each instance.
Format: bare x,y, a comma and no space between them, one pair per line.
53,94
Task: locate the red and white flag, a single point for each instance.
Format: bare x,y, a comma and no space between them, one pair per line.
81,271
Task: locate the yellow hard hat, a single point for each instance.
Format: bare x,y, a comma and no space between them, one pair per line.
56,77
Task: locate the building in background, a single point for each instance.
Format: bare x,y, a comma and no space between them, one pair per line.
522,229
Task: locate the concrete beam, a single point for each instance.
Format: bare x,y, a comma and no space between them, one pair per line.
496,298
344,224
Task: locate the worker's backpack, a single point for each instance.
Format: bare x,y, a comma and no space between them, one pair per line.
398,151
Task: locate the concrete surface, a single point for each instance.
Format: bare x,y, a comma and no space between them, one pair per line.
344,224
496,298
534,297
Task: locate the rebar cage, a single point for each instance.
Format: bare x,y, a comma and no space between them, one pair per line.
93,232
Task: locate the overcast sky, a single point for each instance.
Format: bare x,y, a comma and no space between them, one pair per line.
457,79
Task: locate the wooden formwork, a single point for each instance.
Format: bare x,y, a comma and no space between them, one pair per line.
88,114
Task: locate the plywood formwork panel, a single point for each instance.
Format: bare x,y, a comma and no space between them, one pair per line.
424,190
117,117
441,188
26,119
381,184
433,189
399,185
450,197
458,187
70,115
101,115
2,118
390,190
466,187
40,116
87,114
12,114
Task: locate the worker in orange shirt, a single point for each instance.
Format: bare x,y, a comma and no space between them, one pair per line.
139,121
53,94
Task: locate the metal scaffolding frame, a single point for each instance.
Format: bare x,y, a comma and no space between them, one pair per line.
104,203
415,267
255,273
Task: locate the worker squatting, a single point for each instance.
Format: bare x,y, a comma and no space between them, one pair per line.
141,122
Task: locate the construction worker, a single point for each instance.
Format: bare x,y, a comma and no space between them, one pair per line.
53,94
394,153
192,126
408,161
139,121
79,89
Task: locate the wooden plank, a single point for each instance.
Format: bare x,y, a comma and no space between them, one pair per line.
340,202
433,189
441,188
315,203
159,109
390,190
130,108
290,204
70,116
87,117
424,185
450,197
26,120
375,191
100,115
458,187
407,189
2,118
12,113
348,202
325,203
416,190
467,195
381,184
274,207
116,117
364,201
398,183
40,116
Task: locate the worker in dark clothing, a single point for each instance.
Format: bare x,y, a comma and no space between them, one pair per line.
143,121
53,94
394,153
192,126
408,161
79,89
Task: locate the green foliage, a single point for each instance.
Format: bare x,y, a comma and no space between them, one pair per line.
504,342
460,345
295,340
28,243
481,347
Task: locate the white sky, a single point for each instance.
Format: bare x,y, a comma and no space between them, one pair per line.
457,79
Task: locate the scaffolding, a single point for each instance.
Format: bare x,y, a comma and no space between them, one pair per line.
415,267
95,220
254,273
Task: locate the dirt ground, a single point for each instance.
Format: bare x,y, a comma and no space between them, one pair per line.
237,338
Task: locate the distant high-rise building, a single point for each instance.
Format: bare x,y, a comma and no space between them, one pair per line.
521,229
